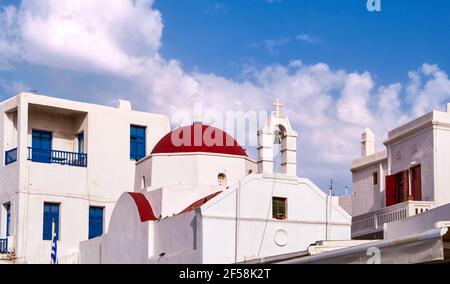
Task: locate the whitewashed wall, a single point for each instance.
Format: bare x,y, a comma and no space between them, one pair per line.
417,148
259,235
442,159
197,168
368,197
110,171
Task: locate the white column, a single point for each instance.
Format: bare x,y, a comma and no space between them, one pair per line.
289,155
21,221
265,151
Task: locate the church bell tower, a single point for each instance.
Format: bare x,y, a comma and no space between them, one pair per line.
277,130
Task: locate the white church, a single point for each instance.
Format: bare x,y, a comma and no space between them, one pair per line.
210,203
123,188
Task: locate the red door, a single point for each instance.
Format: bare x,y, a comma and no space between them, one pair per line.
390,191
416,183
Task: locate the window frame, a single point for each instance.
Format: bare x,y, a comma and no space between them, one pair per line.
92,234
276,212
46,236
7,207
136,140
143,182
222,179
375,179
80,138
40,132
41,154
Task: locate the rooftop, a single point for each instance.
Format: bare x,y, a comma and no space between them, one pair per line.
432,118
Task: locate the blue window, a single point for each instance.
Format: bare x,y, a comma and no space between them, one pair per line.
42,146
51,212
8,218
95,221
81,143
137,142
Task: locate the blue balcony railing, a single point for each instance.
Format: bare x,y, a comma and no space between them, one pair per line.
57,157
10,156
3,246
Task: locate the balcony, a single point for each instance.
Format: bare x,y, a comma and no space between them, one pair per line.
57,157
373,222
10,156
3,246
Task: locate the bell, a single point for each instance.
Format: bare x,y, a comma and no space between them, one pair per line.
277,140
277,135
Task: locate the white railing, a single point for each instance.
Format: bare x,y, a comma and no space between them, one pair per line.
373,222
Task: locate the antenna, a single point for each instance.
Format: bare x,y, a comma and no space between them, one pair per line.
328,208
331,187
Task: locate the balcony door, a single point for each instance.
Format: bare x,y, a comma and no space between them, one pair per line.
397,188
41,146
416,183
402,186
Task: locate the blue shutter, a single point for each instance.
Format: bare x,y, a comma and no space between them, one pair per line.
140,141
42,146
51,212
137,142
95,221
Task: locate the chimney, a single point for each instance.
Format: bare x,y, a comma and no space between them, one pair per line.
124,105
367,143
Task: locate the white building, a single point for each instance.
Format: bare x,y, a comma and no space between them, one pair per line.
400,201
409,178
69,162
210,203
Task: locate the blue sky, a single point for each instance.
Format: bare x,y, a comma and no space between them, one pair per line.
401,37
337,67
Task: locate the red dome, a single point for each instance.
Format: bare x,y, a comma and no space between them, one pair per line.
198,138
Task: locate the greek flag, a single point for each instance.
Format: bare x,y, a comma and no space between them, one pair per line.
54,254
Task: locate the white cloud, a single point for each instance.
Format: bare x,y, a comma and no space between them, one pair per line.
17,87
8,34
13,87
118,36
431,94
328,108
272,45
307,38
353,107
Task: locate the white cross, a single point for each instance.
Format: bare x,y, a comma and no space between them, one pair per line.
277,104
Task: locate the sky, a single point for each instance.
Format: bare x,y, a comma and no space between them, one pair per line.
337,67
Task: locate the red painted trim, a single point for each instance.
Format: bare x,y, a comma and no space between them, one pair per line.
200,202
144,207
194,136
